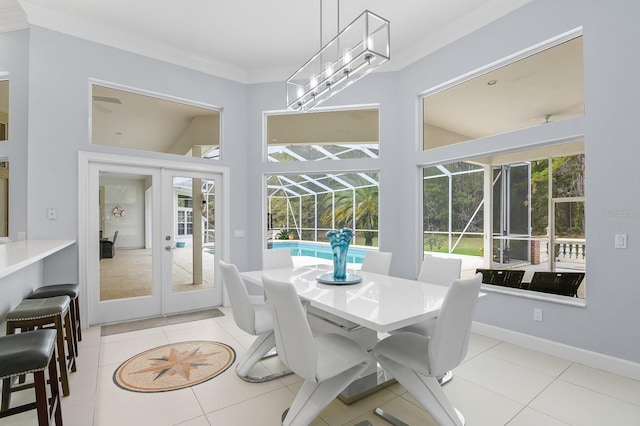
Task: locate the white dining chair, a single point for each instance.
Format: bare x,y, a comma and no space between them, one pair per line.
254,319
416,361
440,270
327,362
276,258
378,262
435,270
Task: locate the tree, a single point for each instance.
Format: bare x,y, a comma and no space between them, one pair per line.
366,211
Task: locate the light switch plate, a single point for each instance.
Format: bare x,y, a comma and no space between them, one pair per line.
621,241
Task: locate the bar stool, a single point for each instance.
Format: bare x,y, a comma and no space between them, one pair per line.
71,290
52,312
31,352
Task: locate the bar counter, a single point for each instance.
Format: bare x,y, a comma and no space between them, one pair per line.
22,265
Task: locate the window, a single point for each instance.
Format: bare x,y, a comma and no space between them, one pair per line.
131,120
308,206
330,135
537,223
185,221
541,88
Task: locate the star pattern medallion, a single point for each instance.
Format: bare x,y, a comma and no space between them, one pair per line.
174,366
177,362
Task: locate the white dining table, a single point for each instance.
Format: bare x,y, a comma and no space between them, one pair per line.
379,302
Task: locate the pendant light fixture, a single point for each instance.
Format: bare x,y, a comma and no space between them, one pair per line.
354,52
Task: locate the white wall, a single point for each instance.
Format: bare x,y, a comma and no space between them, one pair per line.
128,194
58,90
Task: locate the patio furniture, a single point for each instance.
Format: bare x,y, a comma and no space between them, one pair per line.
503,277
562,283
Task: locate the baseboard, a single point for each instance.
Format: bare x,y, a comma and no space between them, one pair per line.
608,363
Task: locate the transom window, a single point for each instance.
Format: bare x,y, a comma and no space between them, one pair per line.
329,135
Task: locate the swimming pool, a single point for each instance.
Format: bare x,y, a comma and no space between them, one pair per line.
320,250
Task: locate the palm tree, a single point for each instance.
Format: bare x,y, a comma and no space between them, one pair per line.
366,214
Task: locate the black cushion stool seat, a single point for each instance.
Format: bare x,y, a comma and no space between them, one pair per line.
71,290
25,353
51,312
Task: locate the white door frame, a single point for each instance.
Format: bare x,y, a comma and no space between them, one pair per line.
86,239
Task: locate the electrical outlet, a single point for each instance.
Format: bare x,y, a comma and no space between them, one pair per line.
52,214
537,314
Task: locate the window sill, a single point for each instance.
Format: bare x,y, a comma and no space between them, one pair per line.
547,297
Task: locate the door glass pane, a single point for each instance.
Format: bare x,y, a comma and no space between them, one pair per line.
4,110
194,219
125,222
4,198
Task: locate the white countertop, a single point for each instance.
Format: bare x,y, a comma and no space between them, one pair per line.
19,254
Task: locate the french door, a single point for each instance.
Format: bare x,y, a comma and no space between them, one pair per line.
155,229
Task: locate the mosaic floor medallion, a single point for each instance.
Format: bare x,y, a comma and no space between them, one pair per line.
174,366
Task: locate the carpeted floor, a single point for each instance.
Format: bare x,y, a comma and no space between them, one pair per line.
123,327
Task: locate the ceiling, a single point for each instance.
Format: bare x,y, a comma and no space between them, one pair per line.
251,41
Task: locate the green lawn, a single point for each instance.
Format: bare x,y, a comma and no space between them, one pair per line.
472,246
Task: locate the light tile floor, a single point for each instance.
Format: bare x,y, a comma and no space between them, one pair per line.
497,384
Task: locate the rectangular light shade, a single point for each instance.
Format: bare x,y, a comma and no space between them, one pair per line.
356,51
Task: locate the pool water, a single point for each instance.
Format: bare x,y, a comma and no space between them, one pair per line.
319,250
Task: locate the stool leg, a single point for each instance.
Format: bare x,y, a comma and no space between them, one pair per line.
40,385
55,390
6,394
69,338
6,383
62,362
76,306
74,328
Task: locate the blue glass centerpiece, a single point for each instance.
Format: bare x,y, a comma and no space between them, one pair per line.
340,240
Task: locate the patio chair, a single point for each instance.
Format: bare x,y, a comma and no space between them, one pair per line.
562,283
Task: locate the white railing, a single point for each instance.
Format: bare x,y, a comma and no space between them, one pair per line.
570,250
566,250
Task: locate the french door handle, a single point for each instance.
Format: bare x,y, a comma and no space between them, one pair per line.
169,248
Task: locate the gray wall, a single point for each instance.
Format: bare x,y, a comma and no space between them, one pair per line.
14,48
609,322
58,106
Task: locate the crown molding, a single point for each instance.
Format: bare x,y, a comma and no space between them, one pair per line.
12,18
